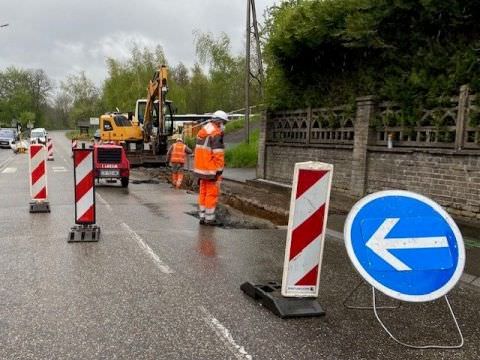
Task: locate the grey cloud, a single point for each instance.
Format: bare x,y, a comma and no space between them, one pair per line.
66,36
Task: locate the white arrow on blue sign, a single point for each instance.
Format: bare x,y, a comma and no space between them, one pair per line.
405,245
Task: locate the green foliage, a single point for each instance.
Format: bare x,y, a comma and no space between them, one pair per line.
23,96
328,52
190,141
82,98
234,125
238,124
243,155
76,134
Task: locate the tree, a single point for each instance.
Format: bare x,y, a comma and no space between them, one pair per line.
197,92
226,74
23,91
81,97
328,52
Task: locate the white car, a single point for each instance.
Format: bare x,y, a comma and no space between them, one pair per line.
38,136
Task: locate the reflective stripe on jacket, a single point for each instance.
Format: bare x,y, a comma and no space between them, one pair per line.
209,152
178,153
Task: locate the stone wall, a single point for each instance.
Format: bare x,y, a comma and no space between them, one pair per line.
439,157
451,179
280,161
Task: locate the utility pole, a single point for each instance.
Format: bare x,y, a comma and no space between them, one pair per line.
247,75
252,17
259,50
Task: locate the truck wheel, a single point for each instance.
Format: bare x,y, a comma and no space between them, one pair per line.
124,181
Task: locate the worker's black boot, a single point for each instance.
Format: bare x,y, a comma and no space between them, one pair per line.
202,221
213,223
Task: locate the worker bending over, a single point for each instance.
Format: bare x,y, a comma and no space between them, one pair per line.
209,163
176,155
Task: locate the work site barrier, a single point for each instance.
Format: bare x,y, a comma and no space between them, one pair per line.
50,149
38,179
296,295
85,214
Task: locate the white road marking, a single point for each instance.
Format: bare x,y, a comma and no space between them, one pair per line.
224,335
59,169
9,170
104,202
5,162
148,250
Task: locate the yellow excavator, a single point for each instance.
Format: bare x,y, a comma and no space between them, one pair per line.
146,135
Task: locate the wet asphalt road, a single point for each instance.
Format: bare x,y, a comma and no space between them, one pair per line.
159,286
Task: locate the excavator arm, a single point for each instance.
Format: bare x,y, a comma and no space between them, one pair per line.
157,90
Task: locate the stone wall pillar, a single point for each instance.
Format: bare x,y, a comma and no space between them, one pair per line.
262,144
364,114
462,111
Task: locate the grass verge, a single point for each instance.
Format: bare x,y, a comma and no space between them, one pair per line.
243,155
236,125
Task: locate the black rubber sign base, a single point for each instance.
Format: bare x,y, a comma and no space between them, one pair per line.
269,295
39,207
84,233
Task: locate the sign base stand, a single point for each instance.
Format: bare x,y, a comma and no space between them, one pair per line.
84,233
39,207
459,331
366,307
268,294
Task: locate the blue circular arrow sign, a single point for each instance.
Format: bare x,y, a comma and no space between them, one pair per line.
405,245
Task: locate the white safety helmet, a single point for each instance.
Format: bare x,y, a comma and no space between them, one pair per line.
220,115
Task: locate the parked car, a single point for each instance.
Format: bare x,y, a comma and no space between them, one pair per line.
7,137
38,135
97,136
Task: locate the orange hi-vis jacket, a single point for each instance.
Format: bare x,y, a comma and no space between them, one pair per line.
209,152
178,153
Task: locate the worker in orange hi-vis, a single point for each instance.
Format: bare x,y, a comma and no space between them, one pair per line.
208,166
176,155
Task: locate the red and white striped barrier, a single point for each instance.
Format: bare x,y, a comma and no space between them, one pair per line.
84,186
306,229
38,172
50,149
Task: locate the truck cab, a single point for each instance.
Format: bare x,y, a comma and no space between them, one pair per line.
118,128
111,163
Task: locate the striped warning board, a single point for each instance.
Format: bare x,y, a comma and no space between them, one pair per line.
38,172
306,229
50,149
84,186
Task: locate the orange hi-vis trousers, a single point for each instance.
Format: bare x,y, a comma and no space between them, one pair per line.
208,198
177,178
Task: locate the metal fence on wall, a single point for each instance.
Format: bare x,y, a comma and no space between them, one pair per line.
456,125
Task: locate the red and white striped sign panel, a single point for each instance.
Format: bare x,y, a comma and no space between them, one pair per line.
312,182
50,148
38,172
84,186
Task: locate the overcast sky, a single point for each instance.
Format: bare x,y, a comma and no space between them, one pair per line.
65,36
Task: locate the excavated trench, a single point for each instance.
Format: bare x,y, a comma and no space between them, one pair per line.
233,212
